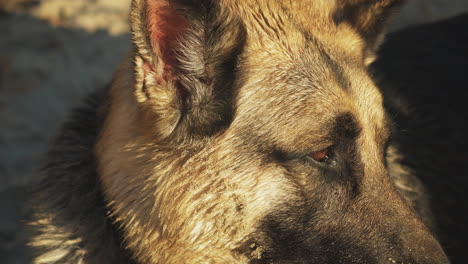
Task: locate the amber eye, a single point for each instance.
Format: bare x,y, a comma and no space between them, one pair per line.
321,156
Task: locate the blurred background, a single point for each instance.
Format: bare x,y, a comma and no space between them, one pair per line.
52,53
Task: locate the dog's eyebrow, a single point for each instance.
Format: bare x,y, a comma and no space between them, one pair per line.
346,126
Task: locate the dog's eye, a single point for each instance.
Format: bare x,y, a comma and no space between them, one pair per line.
323,156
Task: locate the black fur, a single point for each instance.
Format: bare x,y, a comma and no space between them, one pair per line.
70,198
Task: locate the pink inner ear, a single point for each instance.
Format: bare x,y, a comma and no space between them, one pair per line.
165,26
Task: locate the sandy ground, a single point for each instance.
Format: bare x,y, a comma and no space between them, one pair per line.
52,52
46,67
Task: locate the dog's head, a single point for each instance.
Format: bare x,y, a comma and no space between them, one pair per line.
251,131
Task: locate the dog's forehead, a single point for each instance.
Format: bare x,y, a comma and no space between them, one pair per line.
305,11
302,92
283,16
304,67
291,26
300,71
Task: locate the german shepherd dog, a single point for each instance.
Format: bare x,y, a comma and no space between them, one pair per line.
236,132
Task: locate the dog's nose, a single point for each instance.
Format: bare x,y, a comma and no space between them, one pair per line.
421,247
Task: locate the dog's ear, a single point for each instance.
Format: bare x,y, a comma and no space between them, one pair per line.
369,18
185,61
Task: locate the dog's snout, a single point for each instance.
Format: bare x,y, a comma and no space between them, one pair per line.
421,247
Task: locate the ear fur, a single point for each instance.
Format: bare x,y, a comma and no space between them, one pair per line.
185,58
369,18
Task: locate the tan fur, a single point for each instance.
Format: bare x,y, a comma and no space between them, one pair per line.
46,240
197,199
